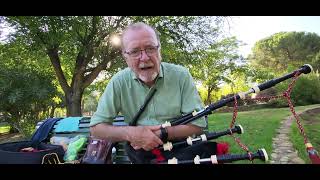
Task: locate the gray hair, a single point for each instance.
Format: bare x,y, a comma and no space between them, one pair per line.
137,26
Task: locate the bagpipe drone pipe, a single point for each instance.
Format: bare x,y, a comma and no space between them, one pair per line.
218,159
202,138
208,110
260,154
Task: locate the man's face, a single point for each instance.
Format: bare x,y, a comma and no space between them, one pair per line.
142,53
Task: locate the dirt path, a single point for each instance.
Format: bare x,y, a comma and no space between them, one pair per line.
283,151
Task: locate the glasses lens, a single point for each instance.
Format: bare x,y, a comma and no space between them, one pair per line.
149,51
134,53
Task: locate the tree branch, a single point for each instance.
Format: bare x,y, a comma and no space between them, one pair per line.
95,72
55,61
88,70
85,54
90,44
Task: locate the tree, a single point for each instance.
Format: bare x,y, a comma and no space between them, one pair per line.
25,93
79,47
216,64
285,51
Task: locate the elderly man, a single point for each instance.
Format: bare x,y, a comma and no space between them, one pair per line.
176,95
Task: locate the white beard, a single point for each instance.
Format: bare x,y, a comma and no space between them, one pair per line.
148,78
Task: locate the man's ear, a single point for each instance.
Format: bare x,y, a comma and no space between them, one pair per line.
124,55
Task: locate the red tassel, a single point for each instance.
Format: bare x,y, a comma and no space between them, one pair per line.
222,148
158,154
313,155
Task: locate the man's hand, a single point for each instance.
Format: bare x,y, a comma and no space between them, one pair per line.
144,137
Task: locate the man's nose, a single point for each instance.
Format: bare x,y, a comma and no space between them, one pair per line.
144,56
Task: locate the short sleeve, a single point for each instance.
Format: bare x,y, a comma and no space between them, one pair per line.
108,105
191,99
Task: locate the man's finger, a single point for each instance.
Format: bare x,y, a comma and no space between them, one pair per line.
158,140
154,128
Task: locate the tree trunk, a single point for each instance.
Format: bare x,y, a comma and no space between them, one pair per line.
53,108
14,123
74,91
208,101
73,103
82,105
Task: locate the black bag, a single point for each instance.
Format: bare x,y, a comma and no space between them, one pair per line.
10,153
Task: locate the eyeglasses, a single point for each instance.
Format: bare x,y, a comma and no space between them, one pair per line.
136,53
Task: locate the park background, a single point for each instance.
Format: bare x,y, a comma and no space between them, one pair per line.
58,66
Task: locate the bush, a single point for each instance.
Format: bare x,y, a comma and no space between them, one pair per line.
267,93
231,104
25,95
305,91
277,103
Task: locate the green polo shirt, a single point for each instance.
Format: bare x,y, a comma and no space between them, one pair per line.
176,95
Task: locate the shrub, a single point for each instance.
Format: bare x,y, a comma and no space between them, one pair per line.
305,91
25,95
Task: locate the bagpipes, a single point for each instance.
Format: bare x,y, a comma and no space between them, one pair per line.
202,138
260,154
218,159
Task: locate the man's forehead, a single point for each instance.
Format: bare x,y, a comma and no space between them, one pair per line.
146,29
137,44
138,37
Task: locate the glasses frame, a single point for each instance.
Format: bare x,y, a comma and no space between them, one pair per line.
148,53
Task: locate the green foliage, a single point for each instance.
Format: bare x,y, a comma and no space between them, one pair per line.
24,94
203,92
217,65
286,51
26,90
305,91
92,94
277,103
90,103
182,35
97,88
79,47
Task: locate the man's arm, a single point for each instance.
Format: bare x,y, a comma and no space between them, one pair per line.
191,100
139,136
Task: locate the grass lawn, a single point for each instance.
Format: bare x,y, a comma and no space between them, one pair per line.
4,128
259,126
311,124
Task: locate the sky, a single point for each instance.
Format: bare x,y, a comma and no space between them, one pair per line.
250,29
